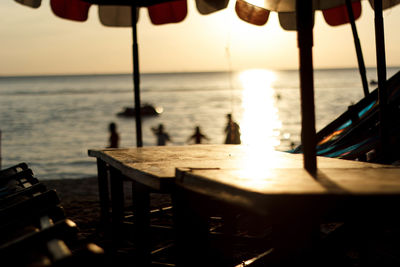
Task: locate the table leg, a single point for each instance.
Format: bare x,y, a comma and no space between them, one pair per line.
192,231
294,236
102,177
141,212
117,198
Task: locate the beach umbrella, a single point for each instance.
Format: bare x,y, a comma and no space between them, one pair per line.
293,15
299,15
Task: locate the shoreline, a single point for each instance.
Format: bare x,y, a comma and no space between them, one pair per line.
74,189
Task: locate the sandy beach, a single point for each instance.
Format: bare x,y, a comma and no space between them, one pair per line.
80,201
79,198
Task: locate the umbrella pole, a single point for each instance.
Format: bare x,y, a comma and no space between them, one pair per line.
360,58
136,78
381,66
305,43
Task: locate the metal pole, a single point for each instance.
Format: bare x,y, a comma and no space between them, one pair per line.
305,43
0,151
381,66
136,78
360,58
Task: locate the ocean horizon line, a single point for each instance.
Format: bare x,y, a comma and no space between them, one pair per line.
168,72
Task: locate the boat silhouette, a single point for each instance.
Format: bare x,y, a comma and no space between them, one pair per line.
145,110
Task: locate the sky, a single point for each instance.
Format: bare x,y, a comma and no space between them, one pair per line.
36,42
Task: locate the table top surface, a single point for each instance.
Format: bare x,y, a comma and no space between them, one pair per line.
264,189
250,168
278,181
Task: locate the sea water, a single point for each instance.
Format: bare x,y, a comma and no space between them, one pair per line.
51,121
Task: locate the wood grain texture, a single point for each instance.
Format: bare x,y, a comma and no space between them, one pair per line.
248,168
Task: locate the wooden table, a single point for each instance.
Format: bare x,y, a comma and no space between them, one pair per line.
151,169
154,167
252,178
285,196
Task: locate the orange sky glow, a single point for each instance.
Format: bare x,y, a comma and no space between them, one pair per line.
35,42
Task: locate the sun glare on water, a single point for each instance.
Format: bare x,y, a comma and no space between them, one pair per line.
260,124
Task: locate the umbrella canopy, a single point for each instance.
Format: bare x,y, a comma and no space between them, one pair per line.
117,13
293,15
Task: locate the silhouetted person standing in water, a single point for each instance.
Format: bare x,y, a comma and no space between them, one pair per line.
162,137
114,136
197,136
232,131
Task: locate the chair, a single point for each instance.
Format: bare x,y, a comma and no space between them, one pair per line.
49,243
13,170
356,132
21,181
33,228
